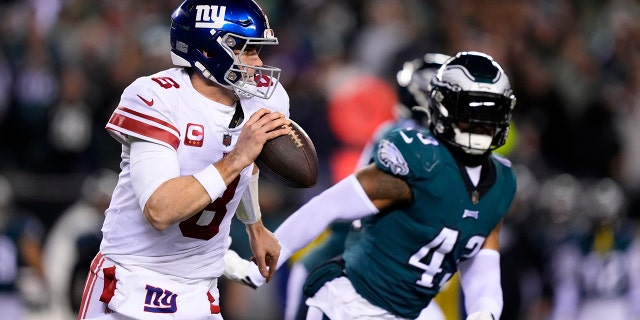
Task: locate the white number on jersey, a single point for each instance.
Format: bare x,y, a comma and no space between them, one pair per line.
437,249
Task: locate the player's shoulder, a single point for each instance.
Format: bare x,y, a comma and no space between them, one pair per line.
158,91
503,164
409,151
279,101
160,83
504,171
414,140
501,160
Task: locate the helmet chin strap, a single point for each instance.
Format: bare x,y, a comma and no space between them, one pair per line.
205,73
249,89
473,143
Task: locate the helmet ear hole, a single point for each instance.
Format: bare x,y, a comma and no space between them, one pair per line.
205,53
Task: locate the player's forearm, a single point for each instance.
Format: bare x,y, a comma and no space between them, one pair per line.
493,240
344,201
480,280
164,196
175,200
230,166
254,229
249,212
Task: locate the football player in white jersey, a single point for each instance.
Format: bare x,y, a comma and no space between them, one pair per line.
189,138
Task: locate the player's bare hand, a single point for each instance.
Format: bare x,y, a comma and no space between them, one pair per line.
265,248
262,126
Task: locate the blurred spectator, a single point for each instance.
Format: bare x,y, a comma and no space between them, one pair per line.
556,210
70,125
387,29
74,240
6,80
22,283
574,65
36,89
596,272
521,259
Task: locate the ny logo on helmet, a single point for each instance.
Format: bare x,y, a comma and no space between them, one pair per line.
210,16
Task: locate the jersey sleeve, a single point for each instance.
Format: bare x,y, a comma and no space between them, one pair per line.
145,114
407,153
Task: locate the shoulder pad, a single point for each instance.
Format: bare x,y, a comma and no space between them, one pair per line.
408,152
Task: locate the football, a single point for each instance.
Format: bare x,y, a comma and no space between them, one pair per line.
290,159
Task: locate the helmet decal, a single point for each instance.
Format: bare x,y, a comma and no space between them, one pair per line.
210,16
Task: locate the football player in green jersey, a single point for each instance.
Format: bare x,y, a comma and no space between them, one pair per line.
413,82
431,203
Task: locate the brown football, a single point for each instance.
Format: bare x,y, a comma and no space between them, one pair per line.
290,159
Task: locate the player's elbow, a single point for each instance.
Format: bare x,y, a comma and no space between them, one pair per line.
156,215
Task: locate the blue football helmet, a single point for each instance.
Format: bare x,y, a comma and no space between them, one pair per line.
471,89
224,29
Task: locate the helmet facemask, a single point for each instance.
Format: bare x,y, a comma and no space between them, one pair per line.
475,122
247,80
467,111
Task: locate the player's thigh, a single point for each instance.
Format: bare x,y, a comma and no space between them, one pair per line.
338,300
314,313
432,312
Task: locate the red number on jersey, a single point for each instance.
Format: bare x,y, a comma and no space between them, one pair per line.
166,82
212,216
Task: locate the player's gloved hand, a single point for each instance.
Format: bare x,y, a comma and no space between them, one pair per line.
236,268
480,315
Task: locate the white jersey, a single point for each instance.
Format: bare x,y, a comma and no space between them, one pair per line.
164,108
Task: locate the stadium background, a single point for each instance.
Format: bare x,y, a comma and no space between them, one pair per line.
574,66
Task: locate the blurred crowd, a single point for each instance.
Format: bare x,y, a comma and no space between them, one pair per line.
574,66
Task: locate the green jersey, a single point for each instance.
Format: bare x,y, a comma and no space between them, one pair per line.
404,256
341,232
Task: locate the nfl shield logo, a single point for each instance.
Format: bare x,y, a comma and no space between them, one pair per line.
226,140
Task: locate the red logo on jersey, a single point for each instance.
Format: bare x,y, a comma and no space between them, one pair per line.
148,102
195,135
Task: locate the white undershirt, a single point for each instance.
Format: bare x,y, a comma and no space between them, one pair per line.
226,113
474,174
152,164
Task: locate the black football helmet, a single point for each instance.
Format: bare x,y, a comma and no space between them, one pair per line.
414,85
471,89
